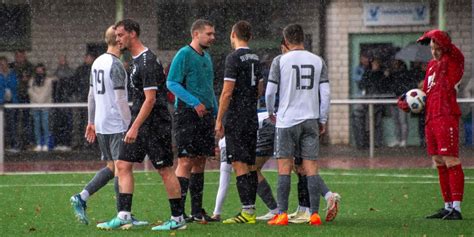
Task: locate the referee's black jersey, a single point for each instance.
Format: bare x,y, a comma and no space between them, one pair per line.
146,72
243,67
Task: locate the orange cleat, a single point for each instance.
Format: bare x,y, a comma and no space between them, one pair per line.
315,219
279,219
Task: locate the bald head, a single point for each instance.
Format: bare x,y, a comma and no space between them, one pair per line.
110,36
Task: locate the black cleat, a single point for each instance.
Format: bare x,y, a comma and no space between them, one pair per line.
439,214
453,215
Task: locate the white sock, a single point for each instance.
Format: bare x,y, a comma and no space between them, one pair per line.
300,208
124,215
178,218
275,211
84,195
457,206
224,179
448,206
327,195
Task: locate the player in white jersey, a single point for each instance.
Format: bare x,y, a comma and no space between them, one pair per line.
303,85
109,117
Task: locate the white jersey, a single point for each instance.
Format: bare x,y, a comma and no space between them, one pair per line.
108,75
298,75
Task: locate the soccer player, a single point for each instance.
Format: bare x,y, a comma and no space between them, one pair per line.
303,85
443,75
191,79
150,131
238,103
109,117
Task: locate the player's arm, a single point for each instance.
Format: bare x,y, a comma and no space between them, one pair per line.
119,80
224,102
90,129
324,95
145,110
272,87
175,81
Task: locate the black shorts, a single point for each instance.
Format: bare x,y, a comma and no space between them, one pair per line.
241,143
154,140
265,139
194,135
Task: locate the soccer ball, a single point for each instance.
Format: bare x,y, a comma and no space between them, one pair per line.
416,99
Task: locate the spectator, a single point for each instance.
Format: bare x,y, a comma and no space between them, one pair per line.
62,117
8,94
417,72
23,69
359,111
41,91
79,92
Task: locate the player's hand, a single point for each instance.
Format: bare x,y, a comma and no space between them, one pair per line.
219,129
322,129
402,104
201,110
273,118
90,133
131,135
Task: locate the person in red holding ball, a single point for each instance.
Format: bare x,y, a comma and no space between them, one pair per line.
442,112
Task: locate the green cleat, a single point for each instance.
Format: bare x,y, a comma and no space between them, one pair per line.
136,222
115,223
242,218
171,225
80,207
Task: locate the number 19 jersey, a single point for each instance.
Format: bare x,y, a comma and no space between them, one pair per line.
298,74
107,75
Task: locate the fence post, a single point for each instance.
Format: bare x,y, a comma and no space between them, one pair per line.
2,148
371,130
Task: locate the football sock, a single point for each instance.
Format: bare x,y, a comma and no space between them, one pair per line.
314,192
456,182
444,183
327,195
125,202
177,218
224,179
457,206
253,181
196,188
124,215
176,207
265,193
303,195
283,192
117,190
244,189
448,206
324,188
184,183
100,179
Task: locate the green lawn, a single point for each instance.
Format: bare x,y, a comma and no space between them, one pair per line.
374,203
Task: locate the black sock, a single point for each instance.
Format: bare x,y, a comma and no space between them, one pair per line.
176,207
125,201
196,188
303,194
117,192
243,186
184,183
253,185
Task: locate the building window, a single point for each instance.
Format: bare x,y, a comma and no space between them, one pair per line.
15,27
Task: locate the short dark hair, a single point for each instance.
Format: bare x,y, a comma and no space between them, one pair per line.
199,24
243,30
294,34
129,25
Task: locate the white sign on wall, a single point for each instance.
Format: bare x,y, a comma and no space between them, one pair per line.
390,14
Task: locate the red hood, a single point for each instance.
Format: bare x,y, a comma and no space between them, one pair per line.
443,40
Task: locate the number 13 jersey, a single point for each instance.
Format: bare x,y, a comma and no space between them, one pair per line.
107,75
298,74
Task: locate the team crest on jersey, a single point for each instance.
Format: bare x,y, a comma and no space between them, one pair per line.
431,81
132,75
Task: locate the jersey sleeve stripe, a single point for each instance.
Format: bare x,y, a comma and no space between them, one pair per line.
272,81
119,88
321,82
229,79
150,88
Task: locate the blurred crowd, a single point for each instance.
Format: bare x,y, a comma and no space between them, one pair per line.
43,129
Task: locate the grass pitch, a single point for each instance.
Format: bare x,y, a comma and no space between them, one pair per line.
374,203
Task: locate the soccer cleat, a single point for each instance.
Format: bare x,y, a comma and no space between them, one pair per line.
171,225
300,217
80,207
241,218
315,219
453,215
115,223
202,218
266,217
279,219
439,214
137,222
332,207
